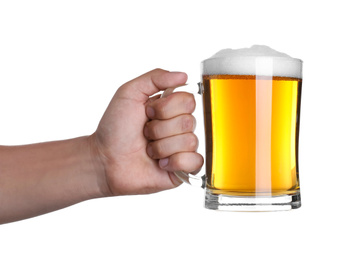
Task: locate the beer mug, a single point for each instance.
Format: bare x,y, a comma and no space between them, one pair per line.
251,104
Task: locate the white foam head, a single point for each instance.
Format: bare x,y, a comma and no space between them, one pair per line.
257,60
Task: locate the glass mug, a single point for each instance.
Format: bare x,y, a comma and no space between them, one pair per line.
251,104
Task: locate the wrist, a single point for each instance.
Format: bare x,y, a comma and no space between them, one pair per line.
98,168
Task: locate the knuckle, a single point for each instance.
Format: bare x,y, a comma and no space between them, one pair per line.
183,163
190,103
192,141
199,161
187,123
186,162
189,162
178,163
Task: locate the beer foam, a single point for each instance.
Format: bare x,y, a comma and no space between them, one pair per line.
257,60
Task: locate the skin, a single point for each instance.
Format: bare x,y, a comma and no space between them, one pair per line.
140,141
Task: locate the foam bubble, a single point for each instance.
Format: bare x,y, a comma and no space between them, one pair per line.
257,60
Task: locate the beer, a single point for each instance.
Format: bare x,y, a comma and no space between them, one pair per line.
252,125
251,104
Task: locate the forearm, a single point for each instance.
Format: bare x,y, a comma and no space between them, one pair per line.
40,178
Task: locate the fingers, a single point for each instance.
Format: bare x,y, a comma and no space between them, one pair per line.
171,145
170,131
180,162
171,126
158,129
175,104
175,152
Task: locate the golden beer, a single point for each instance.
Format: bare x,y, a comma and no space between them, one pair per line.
251,104
251,128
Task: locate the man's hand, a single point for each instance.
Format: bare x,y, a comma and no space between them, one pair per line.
141,140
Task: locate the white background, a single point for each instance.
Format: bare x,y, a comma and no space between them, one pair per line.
62,61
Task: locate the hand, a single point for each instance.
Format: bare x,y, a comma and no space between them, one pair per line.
141,140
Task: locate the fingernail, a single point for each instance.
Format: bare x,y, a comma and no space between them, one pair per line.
149,151
163,162
150,112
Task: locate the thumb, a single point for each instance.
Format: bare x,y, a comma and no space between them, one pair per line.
146,85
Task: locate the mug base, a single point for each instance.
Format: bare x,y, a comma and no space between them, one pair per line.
251,203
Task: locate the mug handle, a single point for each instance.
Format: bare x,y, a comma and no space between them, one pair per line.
193,180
